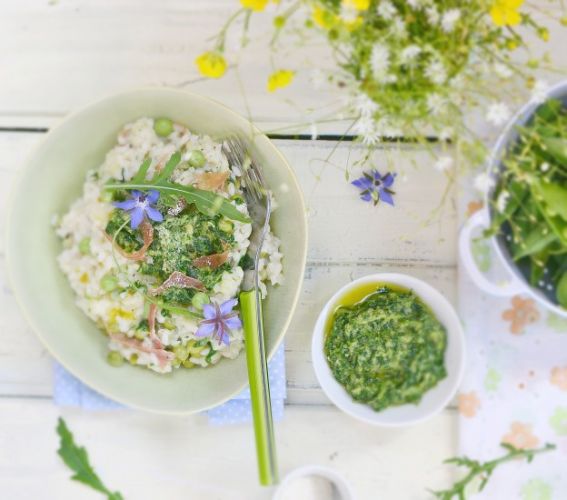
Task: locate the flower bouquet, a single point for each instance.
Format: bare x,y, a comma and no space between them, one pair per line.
412,69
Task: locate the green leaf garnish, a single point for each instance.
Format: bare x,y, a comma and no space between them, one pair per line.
169,168
142,171
206,202
484,470
76,458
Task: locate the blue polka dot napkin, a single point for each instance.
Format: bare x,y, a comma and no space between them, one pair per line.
69,391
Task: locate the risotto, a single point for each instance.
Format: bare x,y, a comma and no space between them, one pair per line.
156,248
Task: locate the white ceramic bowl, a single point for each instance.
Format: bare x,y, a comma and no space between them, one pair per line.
53,177
517,284
435,399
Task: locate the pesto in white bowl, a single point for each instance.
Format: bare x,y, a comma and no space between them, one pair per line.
388,349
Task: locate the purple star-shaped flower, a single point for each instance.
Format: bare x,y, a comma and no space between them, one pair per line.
375,187
219,320
139,205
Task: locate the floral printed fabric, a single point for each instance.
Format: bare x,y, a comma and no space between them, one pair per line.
515,386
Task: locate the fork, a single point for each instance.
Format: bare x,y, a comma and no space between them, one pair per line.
259,204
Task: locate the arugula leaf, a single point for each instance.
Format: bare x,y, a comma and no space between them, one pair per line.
168,169
484,470
76,458
206,202
142,171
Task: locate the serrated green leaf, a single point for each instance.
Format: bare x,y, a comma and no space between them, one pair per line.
76,458
142,171
169,168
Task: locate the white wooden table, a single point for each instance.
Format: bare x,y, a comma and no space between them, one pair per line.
54,58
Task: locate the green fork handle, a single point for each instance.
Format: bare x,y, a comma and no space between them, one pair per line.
251,310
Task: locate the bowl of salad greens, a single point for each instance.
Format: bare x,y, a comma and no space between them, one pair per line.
525,210
388,349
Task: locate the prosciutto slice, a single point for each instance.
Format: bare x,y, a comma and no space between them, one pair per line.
147,231
179,280
163,356
213,261
211,181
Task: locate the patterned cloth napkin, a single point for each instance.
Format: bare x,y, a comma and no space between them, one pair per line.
515,386
68,391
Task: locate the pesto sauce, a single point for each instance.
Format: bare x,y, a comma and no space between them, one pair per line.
386,349
178,241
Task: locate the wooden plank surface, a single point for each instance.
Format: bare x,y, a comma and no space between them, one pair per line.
57,56
153,457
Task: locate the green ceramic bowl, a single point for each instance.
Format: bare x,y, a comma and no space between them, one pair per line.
53,177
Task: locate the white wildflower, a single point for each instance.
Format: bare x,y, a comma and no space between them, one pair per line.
398,28
366,129
432,14
409,53
436,104
544,167
317,79
436,72
502,70
415,4
386,9
444,163
449,19
483,182
313,131
502,201
364,106
446,134
498,113
380,61
539,92
348,14
387,128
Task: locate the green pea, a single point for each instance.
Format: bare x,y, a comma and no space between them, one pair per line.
181,352
163,127
188,364
140,334
197,158
85,246
109,282
199,300
133,359
114,358
225,226
107,196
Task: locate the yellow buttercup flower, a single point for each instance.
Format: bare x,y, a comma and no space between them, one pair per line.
357,4
211,64
322,17
280,79
257,5
506,12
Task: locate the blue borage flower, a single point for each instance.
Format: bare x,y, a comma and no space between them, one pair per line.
140,205
375,187
219,321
